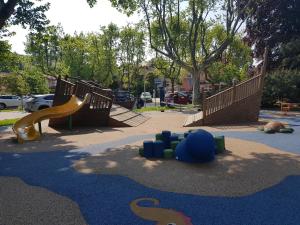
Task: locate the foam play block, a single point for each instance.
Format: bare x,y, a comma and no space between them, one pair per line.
180,138
220,144
158,149
288,130
148,149
158,137
174,144
174,137
166,138
168,153
141,152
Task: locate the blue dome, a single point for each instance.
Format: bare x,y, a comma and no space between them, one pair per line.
199,146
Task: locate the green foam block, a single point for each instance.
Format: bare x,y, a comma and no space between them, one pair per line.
287,130
158,137
141,151
220,144
174,144
168,153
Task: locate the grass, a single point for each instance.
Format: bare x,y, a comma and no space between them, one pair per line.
159,108
8,122
152,108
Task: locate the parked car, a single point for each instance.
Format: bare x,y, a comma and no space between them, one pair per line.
177,98
9,101
38,102
123,96
146,97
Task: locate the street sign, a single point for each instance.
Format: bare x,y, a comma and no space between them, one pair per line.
158,81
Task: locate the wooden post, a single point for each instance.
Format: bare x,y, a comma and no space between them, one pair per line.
233,93
203,104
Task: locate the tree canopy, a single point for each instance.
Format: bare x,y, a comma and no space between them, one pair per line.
275,24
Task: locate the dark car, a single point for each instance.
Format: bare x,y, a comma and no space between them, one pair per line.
123,96
177,98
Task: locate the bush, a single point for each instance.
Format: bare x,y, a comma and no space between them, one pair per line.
36,81
281,84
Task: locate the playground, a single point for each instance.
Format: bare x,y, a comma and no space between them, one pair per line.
96,176
89,160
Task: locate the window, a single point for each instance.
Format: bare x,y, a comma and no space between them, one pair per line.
49,97
6,97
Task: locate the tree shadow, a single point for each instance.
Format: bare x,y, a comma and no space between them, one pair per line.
229,175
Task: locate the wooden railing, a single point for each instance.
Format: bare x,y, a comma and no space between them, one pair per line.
65,87
99,101
231,95
83,87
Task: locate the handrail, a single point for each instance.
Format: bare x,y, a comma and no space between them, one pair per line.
247,81
219,93
99,101
231,95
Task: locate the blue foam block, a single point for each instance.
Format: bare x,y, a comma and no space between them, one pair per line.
148,149
166,138
186,134
158,149
174,137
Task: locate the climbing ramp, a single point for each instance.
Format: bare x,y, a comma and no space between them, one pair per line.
237,104
122,117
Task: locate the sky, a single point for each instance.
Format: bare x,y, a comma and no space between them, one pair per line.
75,15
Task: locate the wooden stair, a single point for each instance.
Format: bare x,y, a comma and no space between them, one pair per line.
237,104
122,117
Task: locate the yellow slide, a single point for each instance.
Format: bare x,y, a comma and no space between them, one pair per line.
24,128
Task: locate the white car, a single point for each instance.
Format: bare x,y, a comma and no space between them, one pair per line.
146,97
38,102
9,101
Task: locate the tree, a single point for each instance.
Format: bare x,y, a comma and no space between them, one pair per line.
8,60
275,24
15,84
281,84
167,69
109,38
188,49
45,48
234,62
131,52
23,12
36,81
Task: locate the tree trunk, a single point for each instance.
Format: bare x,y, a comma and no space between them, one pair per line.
173,85
197,77
6,11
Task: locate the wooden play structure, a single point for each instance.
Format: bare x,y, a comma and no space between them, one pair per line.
285,107
100,110
237,104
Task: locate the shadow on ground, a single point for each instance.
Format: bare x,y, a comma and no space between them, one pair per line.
105,199
231,174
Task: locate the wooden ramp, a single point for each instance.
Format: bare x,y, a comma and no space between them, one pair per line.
122,117
237,104
194,120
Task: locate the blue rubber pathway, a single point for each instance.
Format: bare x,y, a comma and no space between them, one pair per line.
105,199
